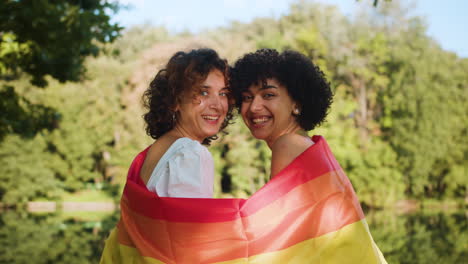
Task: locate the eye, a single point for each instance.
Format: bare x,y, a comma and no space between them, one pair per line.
247,98
224,93
268,95
203,93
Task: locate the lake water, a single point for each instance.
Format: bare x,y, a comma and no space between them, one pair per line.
422,237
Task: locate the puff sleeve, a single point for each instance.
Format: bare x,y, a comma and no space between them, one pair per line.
187,171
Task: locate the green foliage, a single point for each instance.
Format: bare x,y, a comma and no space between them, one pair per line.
72,30
247,161
46,38
65,151
136,40
22,117
420,238
397,125
50,239
427,113
27,170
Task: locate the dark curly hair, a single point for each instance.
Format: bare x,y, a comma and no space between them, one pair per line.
305,82
184,73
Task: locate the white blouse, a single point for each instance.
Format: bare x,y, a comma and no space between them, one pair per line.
185,170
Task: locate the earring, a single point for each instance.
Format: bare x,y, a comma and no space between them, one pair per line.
296,111
174,118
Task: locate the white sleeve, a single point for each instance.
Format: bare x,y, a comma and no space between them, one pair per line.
191,173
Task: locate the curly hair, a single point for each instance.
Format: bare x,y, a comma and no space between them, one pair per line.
184,73
304,81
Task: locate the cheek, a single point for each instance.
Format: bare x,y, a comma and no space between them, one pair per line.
197,100
201,101
243,111
225,104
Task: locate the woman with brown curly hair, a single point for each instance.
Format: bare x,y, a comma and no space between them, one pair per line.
187,105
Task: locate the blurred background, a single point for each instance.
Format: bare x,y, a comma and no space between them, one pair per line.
72,74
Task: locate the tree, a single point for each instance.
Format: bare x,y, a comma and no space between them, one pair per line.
376,2
426,116
43,37
52,238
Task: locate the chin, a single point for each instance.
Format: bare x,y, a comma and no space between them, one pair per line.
258,135
211,133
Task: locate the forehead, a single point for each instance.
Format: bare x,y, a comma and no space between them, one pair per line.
268,83
215,78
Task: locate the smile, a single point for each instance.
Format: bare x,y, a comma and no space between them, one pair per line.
260,120
211,118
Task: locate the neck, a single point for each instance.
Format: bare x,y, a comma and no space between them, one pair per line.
179,132
293,130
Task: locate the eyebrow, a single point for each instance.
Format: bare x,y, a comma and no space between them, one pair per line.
264,87
204,86
268,86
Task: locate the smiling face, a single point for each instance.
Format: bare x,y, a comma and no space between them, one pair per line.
267,111
201,115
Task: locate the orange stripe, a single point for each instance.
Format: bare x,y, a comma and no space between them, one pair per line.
312,209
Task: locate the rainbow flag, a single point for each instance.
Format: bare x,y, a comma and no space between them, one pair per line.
308,213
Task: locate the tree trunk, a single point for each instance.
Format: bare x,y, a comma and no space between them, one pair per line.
360,93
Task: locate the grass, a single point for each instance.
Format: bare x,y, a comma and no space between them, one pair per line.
87,196
446,204
86,216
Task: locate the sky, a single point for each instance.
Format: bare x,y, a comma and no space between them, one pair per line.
447,20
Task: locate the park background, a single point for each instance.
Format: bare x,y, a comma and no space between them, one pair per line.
70,101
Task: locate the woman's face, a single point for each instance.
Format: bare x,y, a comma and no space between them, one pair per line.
201,115
267,111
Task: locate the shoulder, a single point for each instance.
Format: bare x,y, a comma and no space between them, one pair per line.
286,149
191,148
291,143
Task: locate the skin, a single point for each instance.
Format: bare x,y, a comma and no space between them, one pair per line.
267,110
198,116
202,116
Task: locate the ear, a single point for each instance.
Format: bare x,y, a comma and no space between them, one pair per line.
296,106
296,110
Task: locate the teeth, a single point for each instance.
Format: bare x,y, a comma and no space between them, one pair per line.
260,120
210,117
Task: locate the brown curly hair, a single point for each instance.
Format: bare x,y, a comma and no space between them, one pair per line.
184,73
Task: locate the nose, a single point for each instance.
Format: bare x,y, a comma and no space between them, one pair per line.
215,103
255,104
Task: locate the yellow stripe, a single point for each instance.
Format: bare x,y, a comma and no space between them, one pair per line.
116,253
351,244
130,255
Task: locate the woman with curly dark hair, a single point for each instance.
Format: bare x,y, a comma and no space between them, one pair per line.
187,105
280,97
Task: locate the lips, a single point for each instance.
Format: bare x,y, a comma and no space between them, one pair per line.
210,117
213,119
259,121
